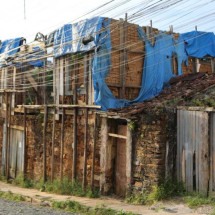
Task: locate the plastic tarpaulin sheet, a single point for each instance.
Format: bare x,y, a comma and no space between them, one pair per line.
199,44
8,48
157,69
69,38
11,46
100,69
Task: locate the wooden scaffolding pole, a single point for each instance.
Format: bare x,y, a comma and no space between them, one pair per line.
94,152
86,124
44,142
62,144
53,143
74,161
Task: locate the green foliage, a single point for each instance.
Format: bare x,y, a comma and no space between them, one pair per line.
138,198
203,102
11,196
169,188
195,200
66,187
132,125
76,207
20,181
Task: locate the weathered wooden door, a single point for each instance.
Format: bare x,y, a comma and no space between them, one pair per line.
120,186
16,159
193,150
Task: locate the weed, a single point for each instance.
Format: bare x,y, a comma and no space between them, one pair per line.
165,190
76,207
66,187
137,198
22,182
195,200
11,196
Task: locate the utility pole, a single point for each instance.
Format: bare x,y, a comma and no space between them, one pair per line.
24,11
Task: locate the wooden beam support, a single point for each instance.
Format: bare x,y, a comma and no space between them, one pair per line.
74,157
25,143
94,152
6,139
62,144
117,135
53,143
44,142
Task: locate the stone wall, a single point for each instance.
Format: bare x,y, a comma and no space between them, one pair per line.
154,141
34,145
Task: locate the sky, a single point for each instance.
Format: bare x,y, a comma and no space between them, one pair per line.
47,15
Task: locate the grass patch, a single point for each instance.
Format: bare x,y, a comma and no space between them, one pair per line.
166,190
12,197
195,200
67,187
20,181
64,187
76,207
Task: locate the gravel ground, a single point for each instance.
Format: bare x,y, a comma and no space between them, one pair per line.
23,208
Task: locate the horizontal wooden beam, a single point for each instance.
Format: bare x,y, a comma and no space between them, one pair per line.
59,106
11,91
126,86
117,135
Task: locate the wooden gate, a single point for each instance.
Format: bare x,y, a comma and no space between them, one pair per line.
193,150
16,159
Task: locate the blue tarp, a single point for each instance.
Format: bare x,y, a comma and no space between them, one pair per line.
11,46
68,39
157,69
199,44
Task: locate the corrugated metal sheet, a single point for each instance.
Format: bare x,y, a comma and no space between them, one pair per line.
192,150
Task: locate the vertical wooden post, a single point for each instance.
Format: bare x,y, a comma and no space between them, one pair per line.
86,125
94,151
74,127
194,65
53,143
121,57
44,84
44,142
14,87
25,143
6,137
212,65
9,122
129,158
62,144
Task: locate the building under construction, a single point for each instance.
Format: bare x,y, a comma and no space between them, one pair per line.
63,99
